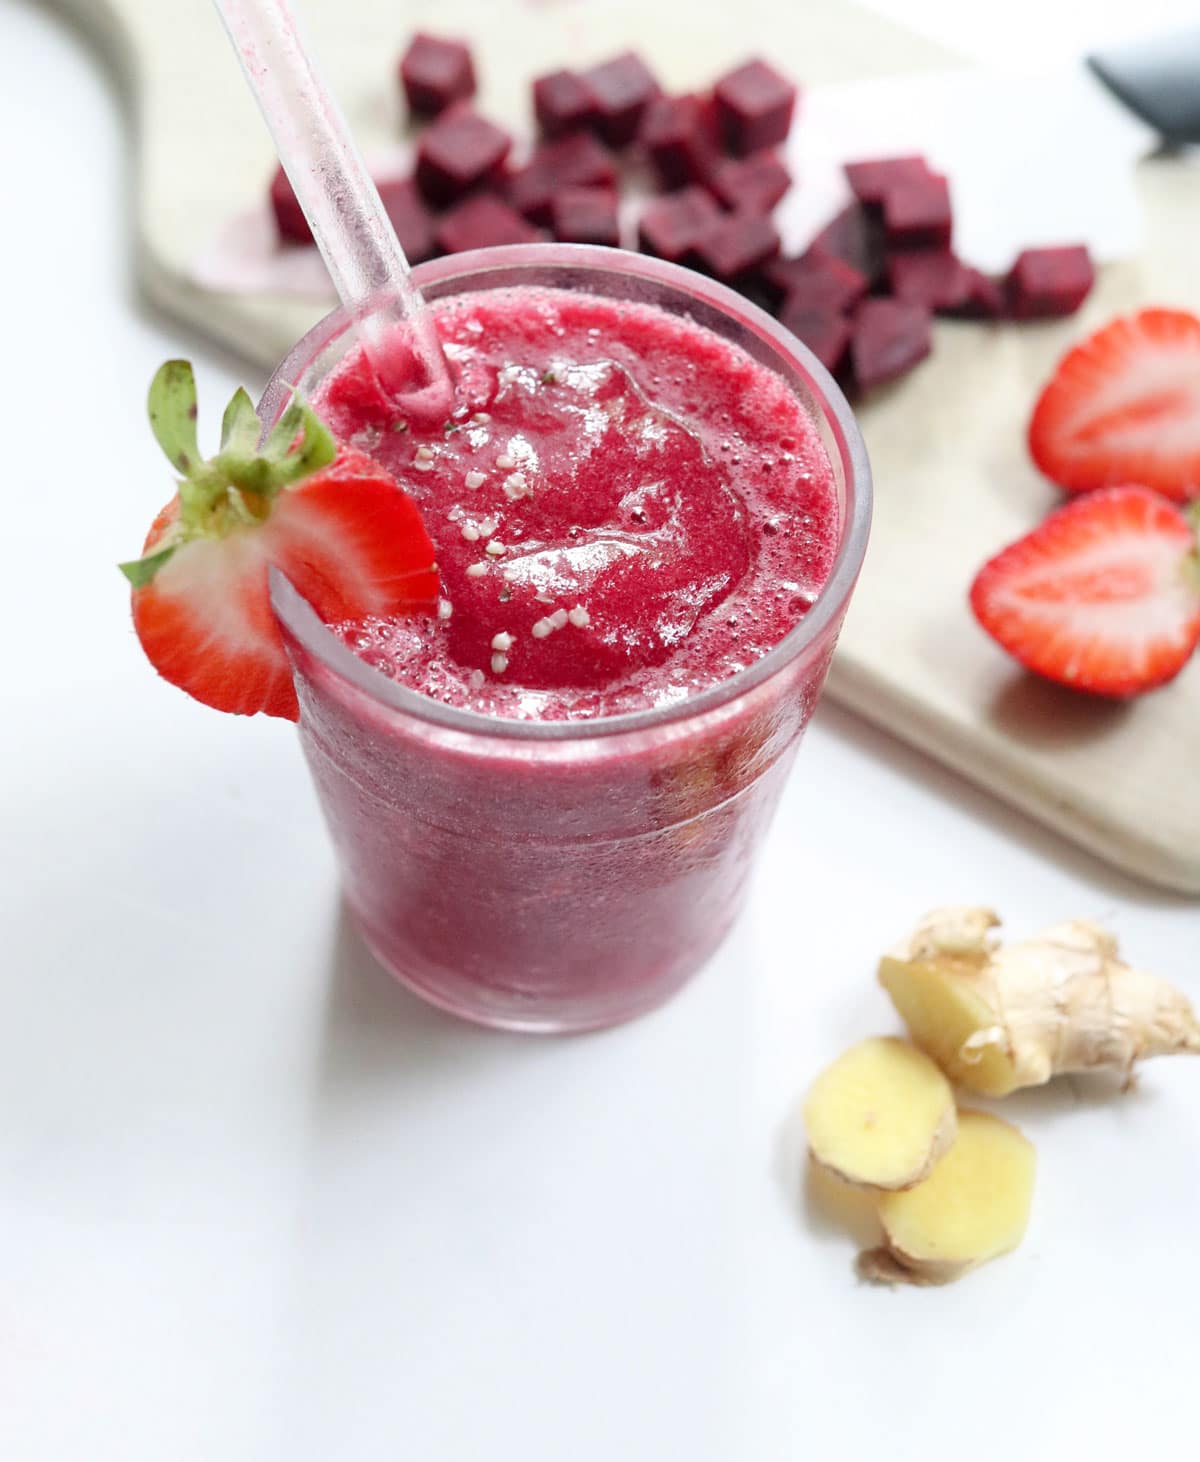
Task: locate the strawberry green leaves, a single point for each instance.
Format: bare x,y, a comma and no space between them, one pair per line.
235,488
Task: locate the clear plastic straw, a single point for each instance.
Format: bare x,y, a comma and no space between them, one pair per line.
339,199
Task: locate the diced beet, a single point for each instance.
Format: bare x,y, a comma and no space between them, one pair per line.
932,277
826,332
985,299
755,105
671,227
1047,282
482,221
890,336
750,184
916,212
736,244
621,91
289,216
410,218
855,236
562,102
585,216
871,178
461,151
575,161
814,281
435,72
680,139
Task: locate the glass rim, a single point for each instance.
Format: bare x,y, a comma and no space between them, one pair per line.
301,622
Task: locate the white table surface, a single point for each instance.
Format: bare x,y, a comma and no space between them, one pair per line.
256,1203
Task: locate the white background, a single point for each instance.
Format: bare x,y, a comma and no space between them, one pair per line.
256,1203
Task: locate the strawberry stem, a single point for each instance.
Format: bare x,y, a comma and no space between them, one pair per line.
235,488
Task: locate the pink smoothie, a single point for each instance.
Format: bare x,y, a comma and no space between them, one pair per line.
646,480
660,512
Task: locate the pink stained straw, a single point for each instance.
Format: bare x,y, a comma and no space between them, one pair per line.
339,199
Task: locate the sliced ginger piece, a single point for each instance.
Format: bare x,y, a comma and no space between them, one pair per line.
999,1017
972,1207
881,1115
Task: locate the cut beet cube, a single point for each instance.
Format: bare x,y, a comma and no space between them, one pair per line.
890,337
672,227
870,179
826,332
985,299
562,102
916,213
577,161
410,218
932,277
1047,282
460,152
736,244
855,236
621,91
679,137
481,222
289,216
435,72
585,216
750,184
754,106
814,281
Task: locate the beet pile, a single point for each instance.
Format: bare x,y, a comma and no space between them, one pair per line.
863,294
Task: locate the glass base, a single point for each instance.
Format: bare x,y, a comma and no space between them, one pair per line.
534,1015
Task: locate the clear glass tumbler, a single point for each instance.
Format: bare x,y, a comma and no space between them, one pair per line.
561,876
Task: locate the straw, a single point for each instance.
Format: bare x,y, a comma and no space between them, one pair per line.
339,199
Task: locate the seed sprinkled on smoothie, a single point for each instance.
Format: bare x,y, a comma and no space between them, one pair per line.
558,619
541,628
496,548
504,462
424,454
499,663
476,570
579,617
422,466
445,609
470,532
488,526
475,480
503,641
541,597
481,418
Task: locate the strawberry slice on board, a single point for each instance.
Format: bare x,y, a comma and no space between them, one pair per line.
1102,596
341,529
1124,406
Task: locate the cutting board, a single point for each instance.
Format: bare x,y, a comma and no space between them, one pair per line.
953,482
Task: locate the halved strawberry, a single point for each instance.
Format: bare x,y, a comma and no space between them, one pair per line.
1104,595
1124,406
329,517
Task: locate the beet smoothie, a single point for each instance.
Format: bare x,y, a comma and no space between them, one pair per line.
632,516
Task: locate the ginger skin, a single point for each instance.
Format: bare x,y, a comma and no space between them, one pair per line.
1000,1017
973,1207
881,1115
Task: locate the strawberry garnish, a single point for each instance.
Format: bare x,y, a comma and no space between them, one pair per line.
324,514
1124,406
1104,595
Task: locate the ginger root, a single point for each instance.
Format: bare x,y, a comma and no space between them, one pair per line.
973,1206
999,1017
881,1115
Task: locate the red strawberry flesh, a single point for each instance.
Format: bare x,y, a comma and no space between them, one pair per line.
1124,406
1103,596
